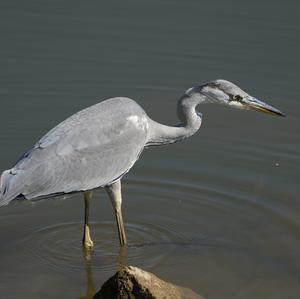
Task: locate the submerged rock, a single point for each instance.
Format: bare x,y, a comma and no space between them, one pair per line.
135,283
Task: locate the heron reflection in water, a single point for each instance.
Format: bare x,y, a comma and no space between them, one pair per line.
97,146
91,289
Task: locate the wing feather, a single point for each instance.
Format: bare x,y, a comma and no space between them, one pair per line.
89,149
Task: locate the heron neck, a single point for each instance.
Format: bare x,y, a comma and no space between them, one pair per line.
160,134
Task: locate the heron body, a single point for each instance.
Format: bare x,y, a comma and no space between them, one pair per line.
90,149
98,145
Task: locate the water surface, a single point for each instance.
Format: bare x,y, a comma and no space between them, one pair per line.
218,213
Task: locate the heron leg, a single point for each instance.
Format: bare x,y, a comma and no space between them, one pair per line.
87,241
115,196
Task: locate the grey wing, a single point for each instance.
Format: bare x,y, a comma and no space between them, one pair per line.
90,149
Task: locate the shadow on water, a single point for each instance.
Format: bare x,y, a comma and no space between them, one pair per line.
91,290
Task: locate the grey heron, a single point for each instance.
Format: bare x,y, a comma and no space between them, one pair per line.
98,145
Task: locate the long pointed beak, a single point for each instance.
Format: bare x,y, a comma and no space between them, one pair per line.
257,105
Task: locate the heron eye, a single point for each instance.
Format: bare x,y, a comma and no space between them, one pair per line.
237,98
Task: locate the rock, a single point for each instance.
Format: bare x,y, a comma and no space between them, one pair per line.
135,283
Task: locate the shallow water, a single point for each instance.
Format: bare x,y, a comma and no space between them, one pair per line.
218,213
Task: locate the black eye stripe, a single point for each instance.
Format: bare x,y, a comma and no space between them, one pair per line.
236,98
232,97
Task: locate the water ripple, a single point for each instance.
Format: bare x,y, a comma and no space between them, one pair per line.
59,246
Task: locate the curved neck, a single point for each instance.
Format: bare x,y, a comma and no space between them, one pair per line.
190,122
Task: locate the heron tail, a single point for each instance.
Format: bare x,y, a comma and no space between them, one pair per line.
7,194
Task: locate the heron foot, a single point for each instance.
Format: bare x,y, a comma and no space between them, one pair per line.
87,242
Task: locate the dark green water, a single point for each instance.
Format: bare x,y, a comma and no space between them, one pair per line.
220,212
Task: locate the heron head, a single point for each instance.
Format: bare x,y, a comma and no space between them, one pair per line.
225,92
